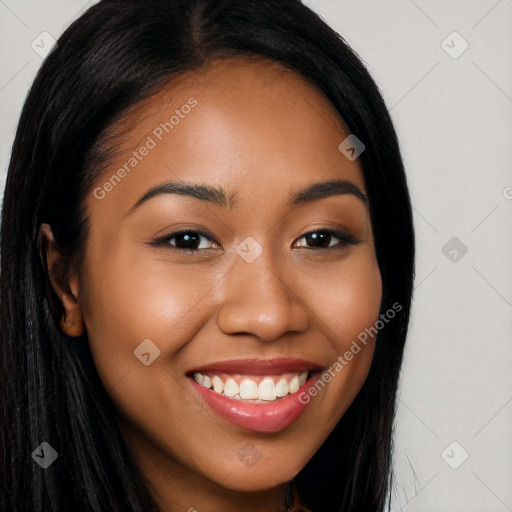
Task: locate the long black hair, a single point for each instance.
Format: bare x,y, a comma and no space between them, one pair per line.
115,55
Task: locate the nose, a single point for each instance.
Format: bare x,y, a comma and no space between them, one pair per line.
257,301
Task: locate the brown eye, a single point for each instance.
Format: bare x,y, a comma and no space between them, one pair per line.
326,239
188,240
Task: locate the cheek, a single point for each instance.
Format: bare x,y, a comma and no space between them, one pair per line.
130,301
348,300
129,304
346,307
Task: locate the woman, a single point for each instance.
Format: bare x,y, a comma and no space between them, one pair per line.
207,266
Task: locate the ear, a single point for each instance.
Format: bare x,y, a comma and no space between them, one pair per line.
64,283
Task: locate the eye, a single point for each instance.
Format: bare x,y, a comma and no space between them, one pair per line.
192,240
323,239
186,240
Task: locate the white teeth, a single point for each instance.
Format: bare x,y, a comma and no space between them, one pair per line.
218,385
248,390
267,389
231,387
282,388
294,384
207,382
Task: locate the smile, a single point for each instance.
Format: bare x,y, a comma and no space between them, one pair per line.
261,396
254,388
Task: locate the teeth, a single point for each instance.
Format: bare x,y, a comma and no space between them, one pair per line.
218,385
294,384
207,382
230,388
282,388
269,389
248,390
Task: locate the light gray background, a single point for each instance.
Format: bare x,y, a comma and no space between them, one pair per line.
454,120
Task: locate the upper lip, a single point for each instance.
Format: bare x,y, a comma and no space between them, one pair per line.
259,366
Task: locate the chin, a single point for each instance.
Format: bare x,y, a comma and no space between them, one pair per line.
262,475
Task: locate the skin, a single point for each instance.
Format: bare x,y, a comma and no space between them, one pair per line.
261,133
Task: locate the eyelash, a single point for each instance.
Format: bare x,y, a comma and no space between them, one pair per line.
345,239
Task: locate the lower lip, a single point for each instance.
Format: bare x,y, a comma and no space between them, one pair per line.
258,417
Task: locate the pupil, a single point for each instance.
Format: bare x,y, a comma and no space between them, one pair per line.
319,237
189,238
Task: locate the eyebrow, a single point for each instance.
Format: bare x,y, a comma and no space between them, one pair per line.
221,198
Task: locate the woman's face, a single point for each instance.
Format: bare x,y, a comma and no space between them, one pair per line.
255,297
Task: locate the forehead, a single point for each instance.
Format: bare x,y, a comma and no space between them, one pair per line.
246,122
240,80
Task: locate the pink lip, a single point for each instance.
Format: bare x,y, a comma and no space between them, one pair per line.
258,417
259,366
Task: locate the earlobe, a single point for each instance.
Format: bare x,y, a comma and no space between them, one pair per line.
72,325
64,285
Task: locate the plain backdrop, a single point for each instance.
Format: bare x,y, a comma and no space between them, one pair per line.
445,70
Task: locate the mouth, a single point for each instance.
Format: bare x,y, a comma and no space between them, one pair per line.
257,395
